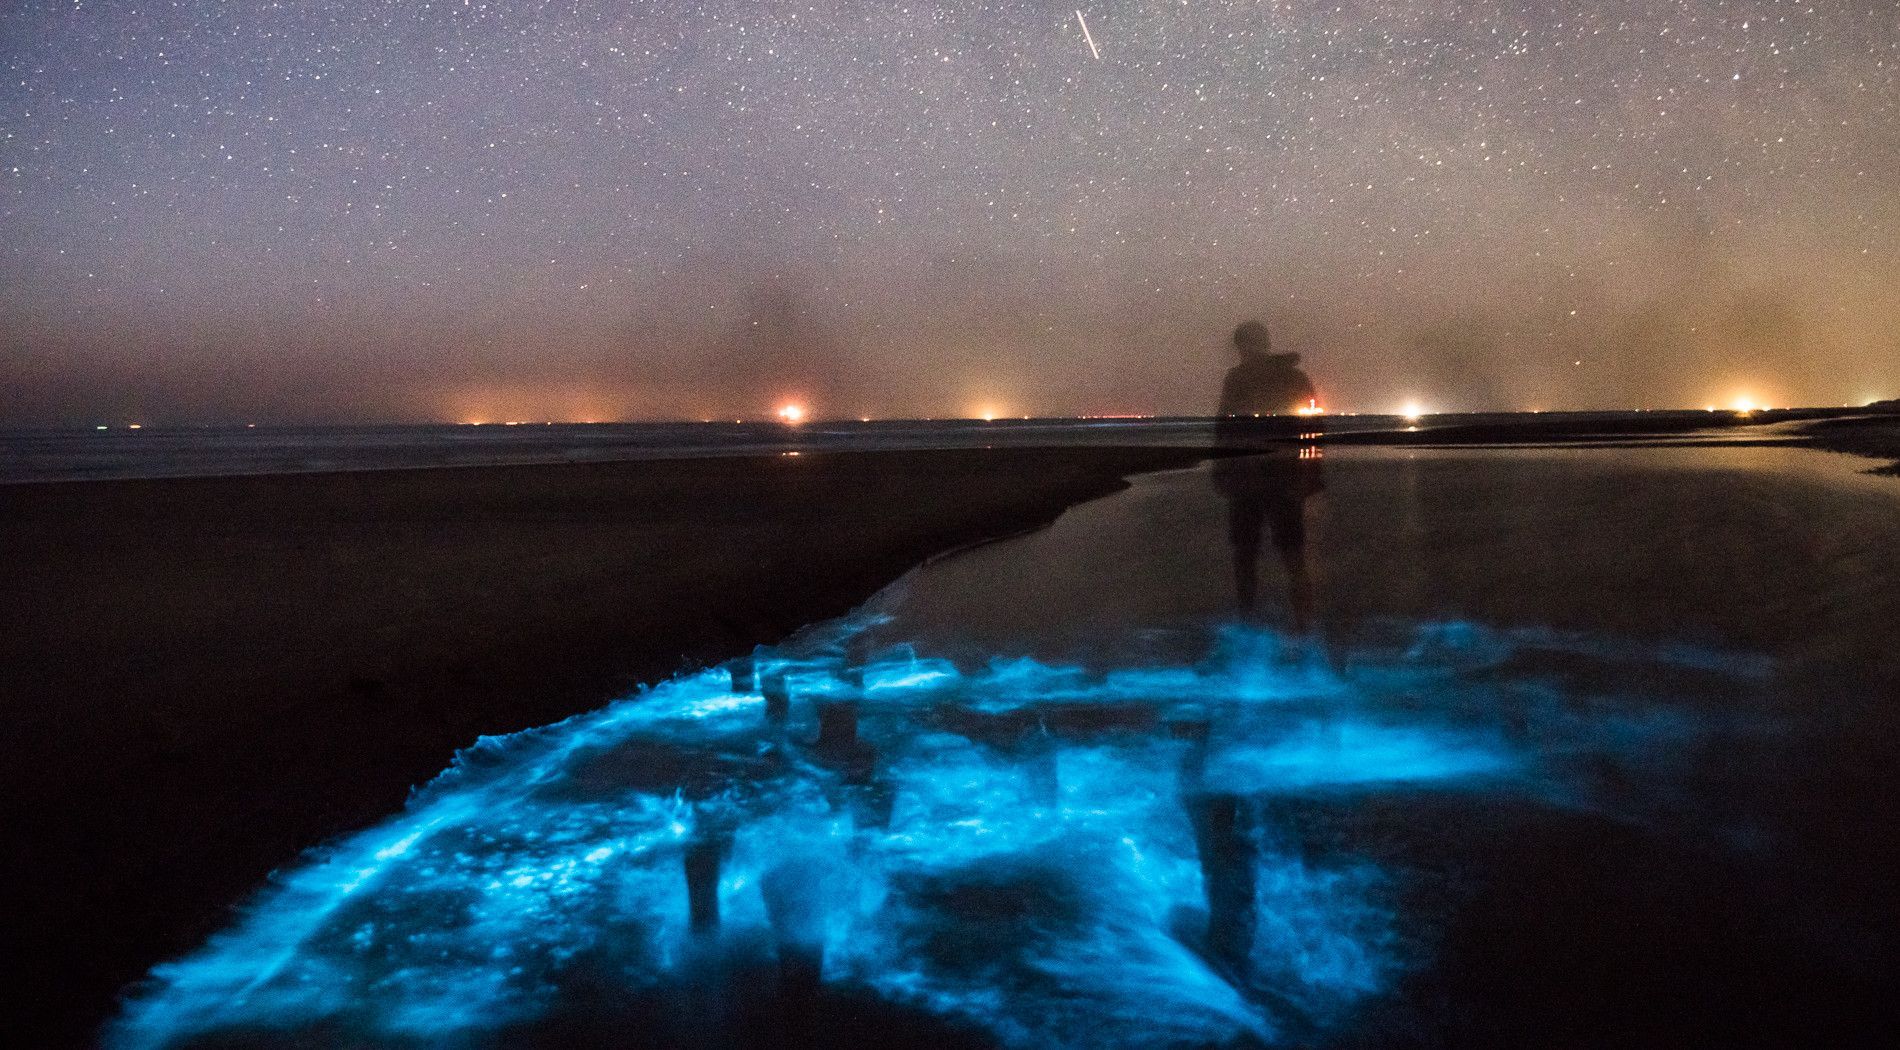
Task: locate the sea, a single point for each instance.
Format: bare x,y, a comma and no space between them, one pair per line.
79,453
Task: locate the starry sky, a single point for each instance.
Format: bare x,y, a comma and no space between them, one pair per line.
456,210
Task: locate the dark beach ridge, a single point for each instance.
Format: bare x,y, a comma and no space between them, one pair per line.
206,676
1874,433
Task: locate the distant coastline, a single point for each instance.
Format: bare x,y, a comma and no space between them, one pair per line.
105,452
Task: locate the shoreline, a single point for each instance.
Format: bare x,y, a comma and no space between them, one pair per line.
212,675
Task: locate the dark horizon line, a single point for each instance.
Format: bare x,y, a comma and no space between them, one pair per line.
769,420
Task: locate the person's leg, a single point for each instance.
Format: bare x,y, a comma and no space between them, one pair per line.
1289,538
1246,518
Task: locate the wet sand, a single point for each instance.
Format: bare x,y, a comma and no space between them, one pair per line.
206,676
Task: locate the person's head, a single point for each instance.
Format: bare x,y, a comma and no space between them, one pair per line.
1251,338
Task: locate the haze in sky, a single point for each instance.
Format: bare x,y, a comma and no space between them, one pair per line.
611,210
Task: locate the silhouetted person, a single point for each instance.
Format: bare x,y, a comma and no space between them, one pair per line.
1263,384
1267,490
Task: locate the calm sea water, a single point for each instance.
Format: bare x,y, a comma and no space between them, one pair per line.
81,453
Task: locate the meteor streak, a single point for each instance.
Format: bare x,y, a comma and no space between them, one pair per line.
1086,35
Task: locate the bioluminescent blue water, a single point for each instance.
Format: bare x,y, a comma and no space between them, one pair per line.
1047,855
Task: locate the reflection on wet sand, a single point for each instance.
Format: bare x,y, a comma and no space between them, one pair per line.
1267,492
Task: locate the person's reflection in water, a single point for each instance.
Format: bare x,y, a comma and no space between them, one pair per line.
1268,406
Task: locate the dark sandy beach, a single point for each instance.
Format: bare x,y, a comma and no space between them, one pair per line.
207,676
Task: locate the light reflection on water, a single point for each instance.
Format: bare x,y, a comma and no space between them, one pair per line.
1028,849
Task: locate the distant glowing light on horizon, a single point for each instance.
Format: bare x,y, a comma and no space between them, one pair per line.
1413,412
792,413
1311,408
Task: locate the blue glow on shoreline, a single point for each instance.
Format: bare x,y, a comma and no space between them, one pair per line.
1012,847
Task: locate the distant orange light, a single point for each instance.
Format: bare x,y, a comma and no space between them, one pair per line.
1311,408
792,413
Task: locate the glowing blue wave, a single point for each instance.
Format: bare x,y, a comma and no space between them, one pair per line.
1030,850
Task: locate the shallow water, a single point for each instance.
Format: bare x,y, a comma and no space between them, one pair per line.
1582,747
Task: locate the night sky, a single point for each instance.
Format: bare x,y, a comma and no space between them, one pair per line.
322,211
